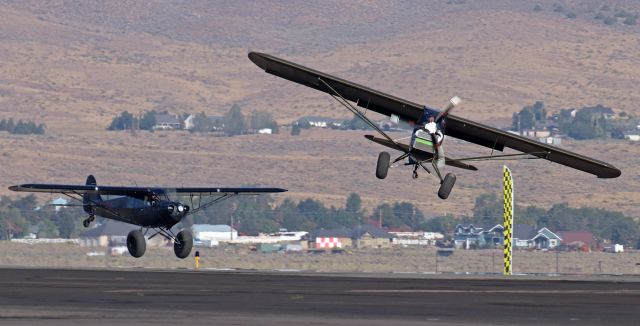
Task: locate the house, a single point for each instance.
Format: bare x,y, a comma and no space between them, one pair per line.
468,236
328,239
322,122
536,133
420,238
167,122
363,236
528,237
493,235
599,110
632,137
367,236
578,240
113,233
209,232
58,203
551,140
545,239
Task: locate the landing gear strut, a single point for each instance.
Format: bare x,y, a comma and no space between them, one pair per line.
86,222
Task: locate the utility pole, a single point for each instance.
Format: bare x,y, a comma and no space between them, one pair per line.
231,227
380,218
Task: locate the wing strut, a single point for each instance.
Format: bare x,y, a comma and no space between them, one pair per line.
505,157
340,99
209,203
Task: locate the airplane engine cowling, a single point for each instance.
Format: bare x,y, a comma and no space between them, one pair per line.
177,211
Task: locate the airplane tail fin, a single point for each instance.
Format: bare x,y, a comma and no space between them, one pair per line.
88,199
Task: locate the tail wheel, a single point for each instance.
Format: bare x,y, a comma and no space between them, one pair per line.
183,244
136,243
447,185
382,168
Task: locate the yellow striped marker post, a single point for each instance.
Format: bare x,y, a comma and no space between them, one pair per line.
508,220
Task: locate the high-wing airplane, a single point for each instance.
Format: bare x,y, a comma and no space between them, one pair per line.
151,208
431,126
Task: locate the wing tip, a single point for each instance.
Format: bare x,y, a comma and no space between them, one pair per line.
610,173
259,59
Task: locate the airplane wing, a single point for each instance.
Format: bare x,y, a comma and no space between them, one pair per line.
457,127
138,191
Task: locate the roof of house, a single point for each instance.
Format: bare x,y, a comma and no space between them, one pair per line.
467,228
354,233
211,228
109,228
524,232
547,233
166,119
335,233
598,109
375,232
576,236
492,227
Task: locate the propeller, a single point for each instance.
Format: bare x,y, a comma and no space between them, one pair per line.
453,102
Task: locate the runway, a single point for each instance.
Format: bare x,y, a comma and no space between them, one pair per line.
152,297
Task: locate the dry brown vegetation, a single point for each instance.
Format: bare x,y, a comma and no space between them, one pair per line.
74,66
382,260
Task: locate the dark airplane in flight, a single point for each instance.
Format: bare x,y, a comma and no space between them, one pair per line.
151,208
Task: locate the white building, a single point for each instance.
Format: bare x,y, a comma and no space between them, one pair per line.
209,232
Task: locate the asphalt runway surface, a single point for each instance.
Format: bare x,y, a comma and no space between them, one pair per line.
157,297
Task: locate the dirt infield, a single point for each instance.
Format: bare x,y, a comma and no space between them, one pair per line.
381,260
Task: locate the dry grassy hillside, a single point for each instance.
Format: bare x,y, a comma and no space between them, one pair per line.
74,66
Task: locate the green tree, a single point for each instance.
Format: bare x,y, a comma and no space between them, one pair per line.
12,223
526,119
124,121
47,229
261,120
631,20
295,129
10,125
287,215
201,123
488,209
386,213
148,120
234,122
68,220
356,124
443,224
410,215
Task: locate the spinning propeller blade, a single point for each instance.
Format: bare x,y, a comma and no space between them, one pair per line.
453,102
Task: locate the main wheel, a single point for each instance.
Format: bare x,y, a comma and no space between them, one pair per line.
447,185
383,165
136,243
183,244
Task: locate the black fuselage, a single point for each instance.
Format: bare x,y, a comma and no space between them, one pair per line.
146,213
